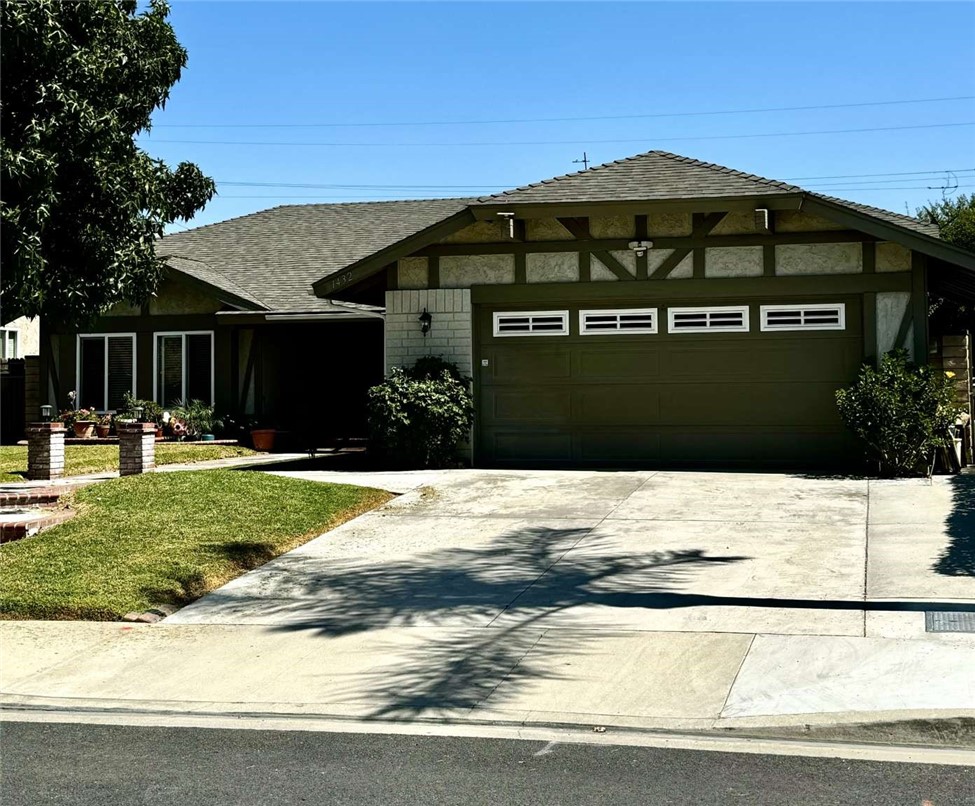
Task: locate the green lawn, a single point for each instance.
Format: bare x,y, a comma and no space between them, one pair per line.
166,538
82,459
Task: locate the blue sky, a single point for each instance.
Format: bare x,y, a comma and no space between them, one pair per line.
257,63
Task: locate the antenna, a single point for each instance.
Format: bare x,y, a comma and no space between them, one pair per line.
584,161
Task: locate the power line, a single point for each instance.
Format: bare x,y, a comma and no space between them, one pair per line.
565,142
559,120
932,174
377,197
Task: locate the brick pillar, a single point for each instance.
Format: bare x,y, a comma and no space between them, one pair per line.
32,389
45,451
136,447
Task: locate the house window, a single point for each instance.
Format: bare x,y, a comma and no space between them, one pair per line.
726,318
804,317
532,323
105,370
183,367
9,343
624,320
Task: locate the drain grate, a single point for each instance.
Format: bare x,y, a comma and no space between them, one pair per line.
949,621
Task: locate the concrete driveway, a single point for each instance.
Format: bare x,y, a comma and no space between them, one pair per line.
661,600
661,551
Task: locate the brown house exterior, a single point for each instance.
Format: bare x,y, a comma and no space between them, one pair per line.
654,310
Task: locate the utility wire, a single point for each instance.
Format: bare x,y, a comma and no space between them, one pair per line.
934,174
566,142
558,120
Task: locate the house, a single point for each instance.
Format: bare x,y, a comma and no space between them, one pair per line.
656,309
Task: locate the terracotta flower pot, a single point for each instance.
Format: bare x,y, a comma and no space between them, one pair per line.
263,439
84,429
103,431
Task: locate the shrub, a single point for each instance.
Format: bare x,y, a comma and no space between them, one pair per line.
420,421
901,411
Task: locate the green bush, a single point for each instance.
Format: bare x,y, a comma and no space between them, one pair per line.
420,421
901,412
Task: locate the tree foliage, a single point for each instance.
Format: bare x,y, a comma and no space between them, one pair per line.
901,412
955,218
81,203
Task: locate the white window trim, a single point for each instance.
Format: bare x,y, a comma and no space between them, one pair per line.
839,306
636,331
744,327
105,337
563,332
182,334
5,334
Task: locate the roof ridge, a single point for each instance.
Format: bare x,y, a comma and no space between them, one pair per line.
776,183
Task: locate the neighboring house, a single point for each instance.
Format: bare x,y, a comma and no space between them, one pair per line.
657,309
20,338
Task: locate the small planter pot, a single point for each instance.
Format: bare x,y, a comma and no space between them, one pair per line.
103,431
84,429
207,438
263,439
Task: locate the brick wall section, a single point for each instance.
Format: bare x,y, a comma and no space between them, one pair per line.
45,451
32,389
450,331
137,448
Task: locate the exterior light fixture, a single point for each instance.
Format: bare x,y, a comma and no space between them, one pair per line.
425,320
47,412
510,218
640,247
137,413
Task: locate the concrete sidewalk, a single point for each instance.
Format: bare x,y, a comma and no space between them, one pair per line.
631,679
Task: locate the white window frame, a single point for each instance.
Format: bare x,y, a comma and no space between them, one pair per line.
744,327
182,334
839,306
105,337
9,336
563,332
636,331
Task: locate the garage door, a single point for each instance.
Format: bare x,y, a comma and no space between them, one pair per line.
740,383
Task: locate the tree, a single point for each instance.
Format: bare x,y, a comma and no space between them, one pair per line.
81,204
956,220
955,217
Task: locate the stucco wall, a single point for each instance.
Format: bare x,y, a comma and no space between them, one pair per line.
412,272
891,308
893,257
463,271
175,298
552,267
450,331
736,261
818,258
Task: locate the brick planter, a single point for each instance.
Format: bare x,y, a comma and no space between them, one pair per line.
136,447
45,451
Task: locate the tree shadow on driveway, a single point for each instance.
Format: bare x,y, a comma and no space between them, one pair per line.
958,558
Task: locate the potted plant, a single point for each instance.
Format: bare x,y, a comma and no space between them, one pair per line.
262,438
104,426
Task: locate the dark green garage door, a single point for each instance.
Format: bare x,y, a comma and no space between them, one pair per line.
673,387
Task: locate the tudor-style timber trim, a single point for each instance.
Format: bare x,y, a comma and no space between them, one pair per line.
919,304
666,242
804,285
579,228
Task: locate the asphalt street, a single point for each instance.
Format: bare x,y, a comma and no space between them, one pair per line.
102,765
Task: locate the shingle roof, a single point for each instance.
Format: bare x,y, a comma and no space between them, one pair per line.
272,257
661,176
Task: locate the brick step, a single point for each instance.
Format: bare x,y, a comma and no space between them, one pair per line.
18,525
29,498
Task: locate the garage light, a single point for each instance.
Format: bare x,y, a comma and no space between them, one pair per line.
425,321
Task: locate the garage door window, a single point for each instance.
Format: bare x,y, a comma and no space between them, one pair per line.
625,320
531,323
804,317
726,318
